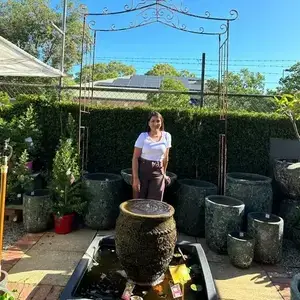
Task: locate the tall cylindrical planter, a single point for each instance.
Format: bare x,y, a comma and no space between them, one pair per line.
145,239
295,287
37,210
190,212
103,192
267,230
253,189
222,215
287,177
240,248
290,213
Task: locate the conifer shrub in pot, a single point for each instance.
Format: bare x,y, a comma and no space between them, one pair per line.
66,187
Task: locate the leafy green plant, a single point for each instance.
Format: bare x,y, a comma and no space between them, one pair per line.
289,105
66,184
19,178
26,127
6,296
4,98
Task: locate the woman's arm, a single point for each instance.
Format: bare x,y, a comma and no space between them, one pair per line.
166,161
135,163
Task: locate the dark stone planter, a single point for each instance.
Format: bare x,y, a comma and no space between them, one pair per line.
240,247
190,212
253,189
290,212
145,239
287,179
37,210
127,176
295,286
104,194
296,235
267,230
222,215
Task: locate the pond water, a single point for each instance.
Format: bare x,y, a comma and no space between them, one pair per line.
106,279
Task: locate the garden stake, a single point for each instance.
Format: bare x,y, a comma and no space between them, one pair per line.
4,169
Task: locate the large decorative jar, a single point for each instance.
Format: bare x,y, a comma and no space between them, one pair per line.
145,239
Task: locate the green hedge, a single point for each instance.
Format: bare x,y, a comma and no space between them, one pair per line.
195,137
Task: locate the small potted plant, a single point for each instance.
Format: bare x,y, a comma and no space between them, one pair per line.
19,180
66,187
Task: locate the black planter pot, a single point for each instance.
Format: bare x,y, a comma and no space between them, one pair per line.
296,235
287,178
253,189
295,287
290,213
240,247
222,216
104,194
37,210
267,230
190,212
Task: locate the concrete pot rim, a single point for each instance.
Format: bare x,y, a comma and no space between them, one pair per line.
196,183
295,285
249,178
232,202
235,235
165,215
260,217
38,193
103,177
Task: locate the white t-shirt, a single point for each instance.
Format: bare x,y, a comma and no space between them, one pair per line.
152,150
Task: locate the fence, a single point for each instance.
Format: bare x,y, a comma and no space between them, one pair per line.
131,97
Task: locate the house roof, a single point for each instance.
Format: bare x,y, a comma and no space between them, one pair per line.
147,82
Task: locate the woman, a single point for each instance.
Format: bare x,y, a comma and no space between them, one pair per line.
150,160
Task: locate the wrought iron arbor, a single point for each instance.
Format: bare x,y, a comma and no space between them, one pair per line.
168,14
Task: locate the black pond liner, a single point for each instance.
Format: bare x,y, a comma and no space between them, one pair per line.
79,279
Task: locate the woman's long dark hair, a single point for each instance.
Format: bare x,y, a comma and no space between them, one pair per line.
158,115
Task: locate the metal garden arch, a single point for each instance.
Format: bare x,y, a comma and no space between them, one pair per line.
168,14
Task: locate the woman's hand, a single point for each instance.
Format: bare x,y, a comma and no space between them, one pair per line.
136,185
167,179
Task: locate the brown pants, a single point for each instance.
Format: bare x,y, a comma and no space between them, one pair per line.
151,179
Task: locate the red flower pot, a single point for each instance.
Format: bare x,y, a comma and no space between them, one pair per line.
63,224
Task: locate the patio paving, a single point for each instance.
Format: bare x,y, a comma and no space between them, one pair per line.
40,265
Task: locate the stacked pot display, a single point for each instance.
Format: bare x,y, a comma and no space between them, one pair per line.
222,215
286,175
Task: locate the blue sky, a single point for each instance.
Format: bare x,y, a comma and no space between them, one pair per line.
265,37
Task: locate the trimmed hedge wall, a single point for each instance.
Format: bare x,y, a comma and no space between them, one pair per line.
194,133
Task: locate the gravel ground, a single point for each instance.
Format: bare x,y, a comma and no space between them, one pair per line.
290,258
12,233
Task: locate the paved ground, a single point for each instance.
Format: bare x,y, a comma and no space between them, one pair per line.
40,265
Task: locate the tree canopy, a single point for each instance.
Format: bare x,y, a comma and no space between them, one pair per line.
103,71
168,70
169,99
27,23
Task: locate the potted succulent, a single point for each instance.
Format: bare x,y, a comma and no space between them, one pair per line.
66,187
